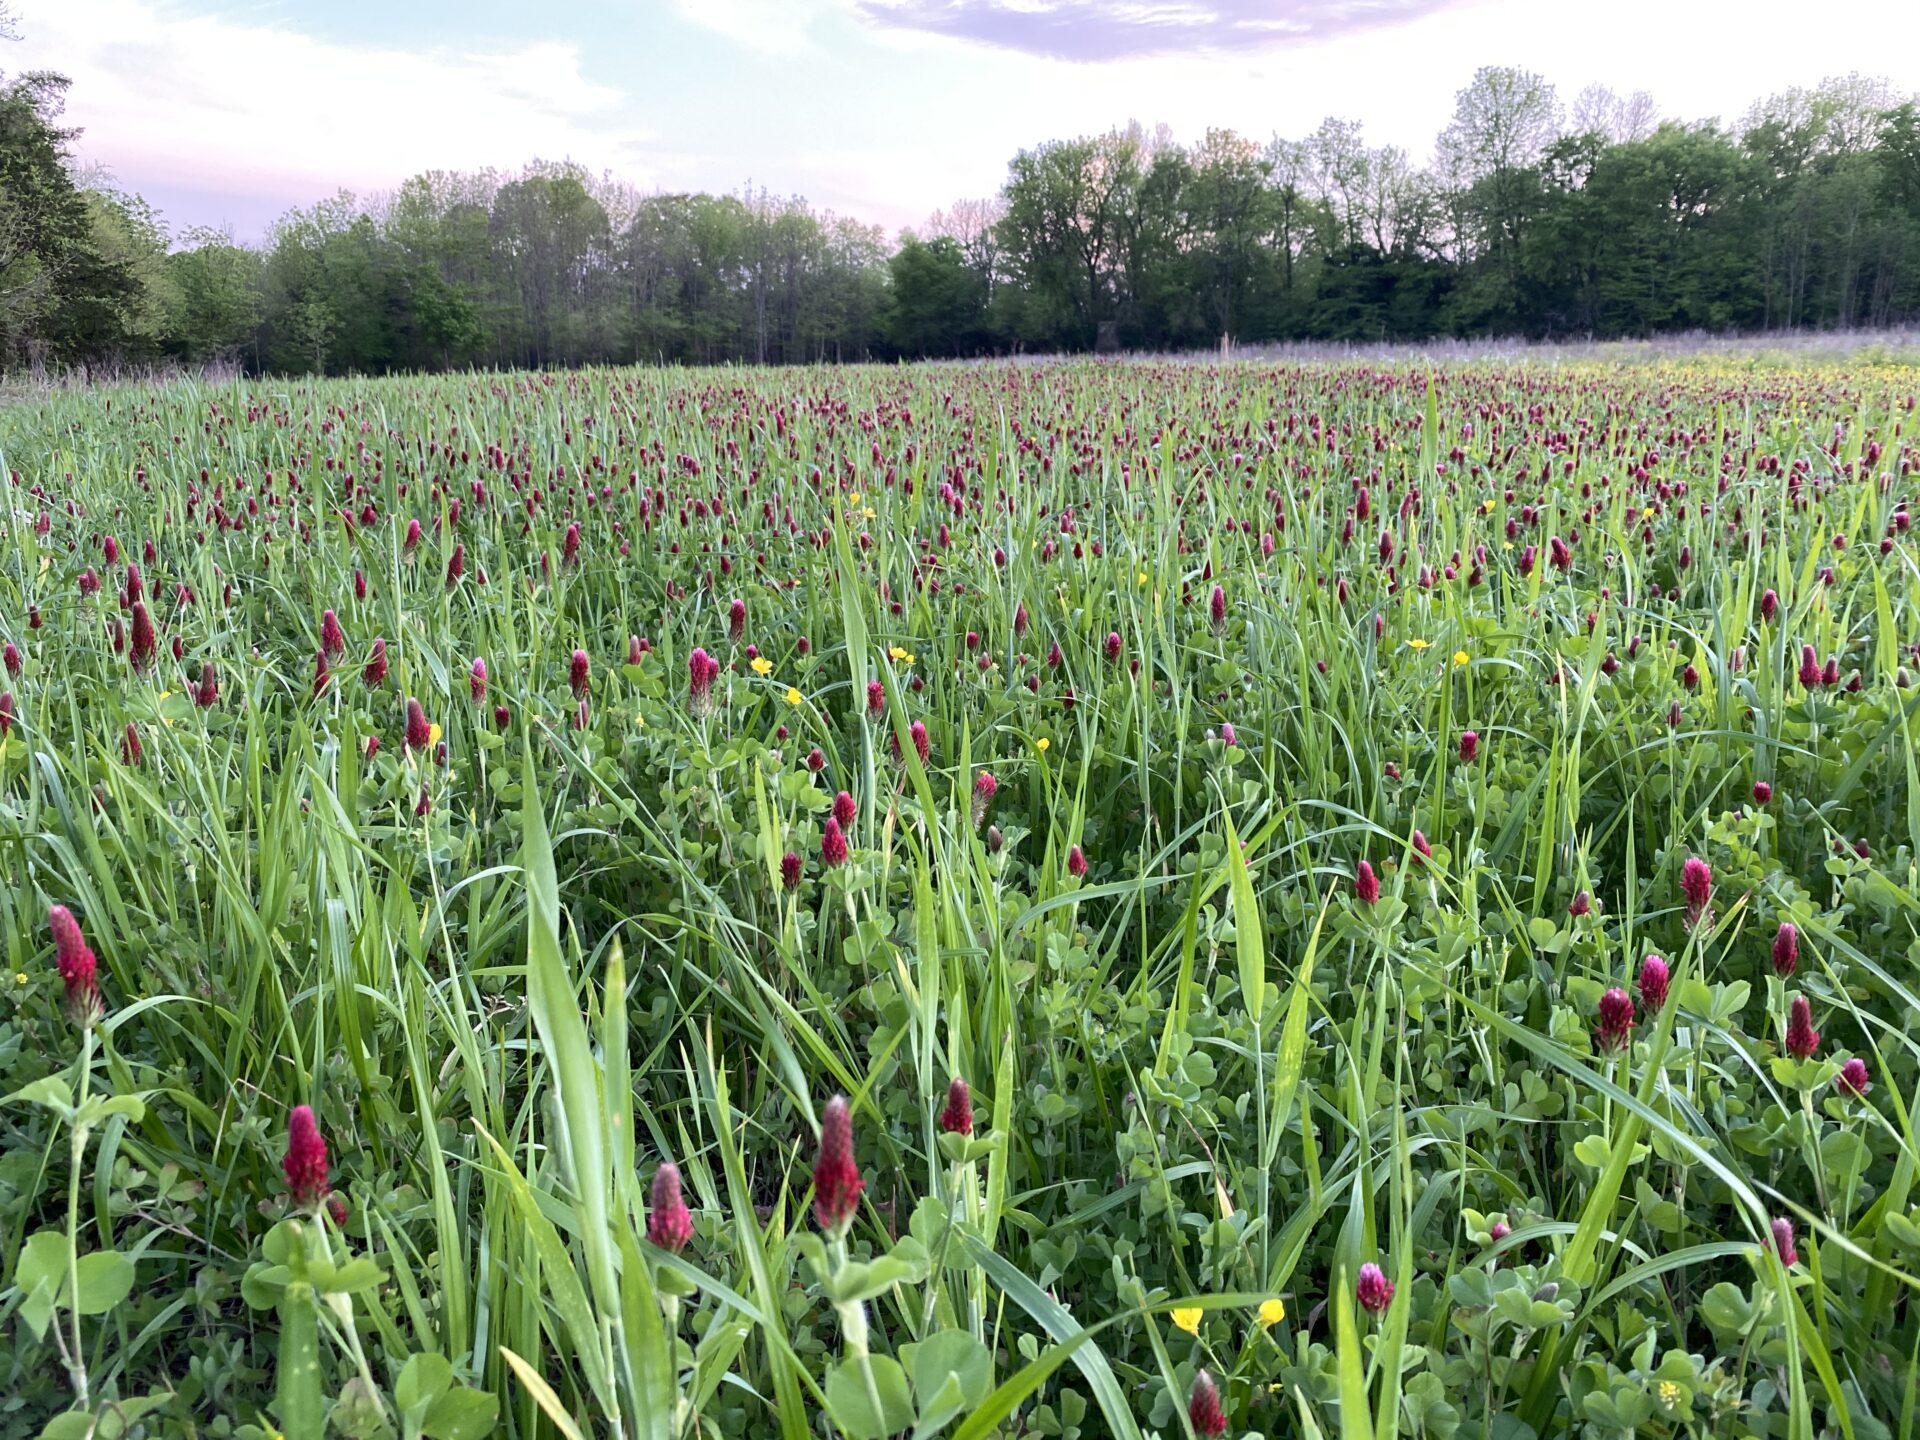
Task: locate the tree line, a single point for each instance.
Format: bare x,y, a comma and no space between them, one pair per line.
1531,218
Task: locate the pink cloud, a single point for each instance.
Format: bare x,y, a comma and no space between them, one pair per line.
1097,30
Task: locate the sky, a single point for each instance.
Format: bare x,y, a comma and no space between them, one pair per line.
226,113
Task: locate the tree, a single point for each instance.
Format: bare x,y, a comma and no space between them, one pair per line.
1831,250
1807,214
1503,122
1341,169
1231,225
549,239
71,261
1065,200
213,297
1621,119
974,225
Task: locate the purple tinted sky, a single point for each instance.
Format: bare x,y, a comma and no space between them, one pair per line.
229,113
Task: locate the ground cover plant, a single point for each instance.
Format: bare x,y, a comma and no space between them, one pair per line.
1062,900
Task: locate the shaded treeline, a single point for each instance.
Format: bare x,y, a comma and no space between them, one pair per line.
1532,218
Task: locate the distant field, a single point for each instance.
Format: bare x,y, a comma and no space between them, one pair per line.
1861,348
1415,864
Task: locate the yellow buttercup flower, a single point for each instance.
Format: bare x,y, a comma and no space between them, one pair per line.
1273,1311
1486,506
762,665
434,732
1143,577
900,656
854,498
1041,744
1418,644
1187,1317
793,696
1460,657
866,512
19,977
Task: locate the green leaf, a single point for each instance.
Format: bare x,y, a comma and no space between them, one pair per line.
357,1413
1727,1310
1247,940
1356,1415
543,1395
356,1275
1046,1312
562,1281
42,1258
580,1113
1593,1150
41,1273
940,1407
110,1424
862,1280
949,1353
985,1419
423,1379
1291,1058
50,1091
262,1285
103,1106
851,1404
463,1413
105,1277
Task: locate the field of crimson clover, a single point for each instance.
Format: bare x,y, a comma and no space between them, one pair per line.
1065,900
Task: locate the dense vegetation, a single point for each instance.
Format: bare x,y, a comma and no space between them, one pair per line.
1417,871
1530,220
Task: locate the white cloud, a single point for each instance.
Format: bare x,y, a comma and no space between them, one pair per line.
240,116
775,26
253,109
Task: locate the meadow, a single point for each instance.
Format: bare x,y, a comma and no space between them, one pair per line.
1073,900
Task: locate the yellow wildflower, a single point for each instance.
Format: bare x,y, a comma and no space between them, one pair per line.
1143,577
793,696
762,665
19,977
900,656
866,512
1460,657
434,732
1041,744
1273,1311
854,499
1188,1318
1418,644
1669,1393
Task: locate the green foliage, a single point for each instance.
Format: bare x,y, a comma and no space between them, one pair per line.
518,966
76,266
1609,222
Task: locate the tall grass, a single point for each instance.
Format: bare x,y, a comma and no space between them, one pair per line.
1211,1079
